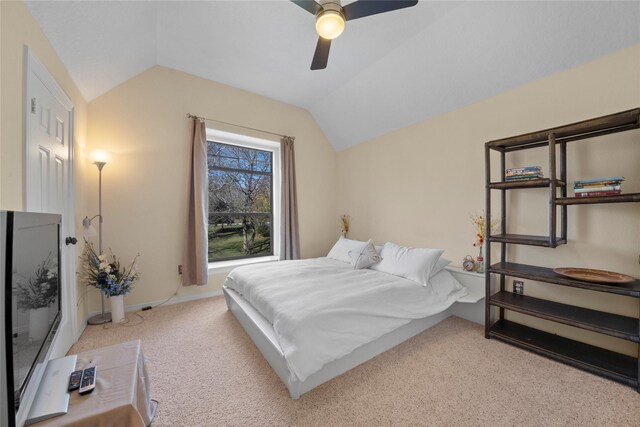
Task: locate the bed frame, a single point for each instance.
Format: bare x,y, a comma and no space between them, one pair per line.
470,307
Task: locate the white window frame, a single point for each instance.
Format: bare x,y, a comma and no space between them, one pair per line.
230,138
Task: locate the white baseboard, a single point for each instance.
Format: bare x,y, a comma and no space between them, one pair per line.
175,300
81,329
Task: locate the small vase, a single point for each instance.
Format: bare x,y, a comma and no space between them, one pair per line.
480,262
117,308
38,323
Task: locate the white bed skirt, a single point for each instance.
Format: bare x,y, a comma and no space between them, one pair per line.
261,332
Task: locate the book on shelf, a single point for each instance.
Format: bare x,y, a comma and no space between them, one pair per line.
600,184
525,169
524,174
598,193
599,188
523,177
598,181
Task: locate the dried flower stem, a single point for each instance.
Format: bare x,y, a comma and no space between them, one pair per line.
344,222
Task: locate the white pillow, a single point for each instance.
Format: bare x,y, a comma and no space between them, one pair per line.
444,283
365,258
340,251
442,262
411,263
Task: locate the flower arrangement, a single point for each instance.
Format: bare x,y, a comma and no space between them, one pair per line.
344,222
106,273
41,290
478,222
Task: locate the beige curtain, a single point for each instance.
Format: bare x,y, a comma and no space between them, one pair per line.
195,259
290,241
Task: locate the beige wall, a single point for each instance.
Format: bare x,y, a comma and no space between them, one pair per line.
418,186
18,28
143,121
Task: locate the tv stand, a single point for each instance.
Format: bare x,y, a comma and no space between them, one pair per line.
52,397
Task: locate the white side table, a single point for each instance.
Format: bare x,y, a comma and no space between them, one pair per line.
121,397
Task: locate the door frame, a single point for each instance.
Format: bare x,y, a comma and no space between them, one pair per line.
33,67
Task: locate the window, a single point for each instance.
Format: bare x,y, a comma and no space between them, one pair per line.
243,196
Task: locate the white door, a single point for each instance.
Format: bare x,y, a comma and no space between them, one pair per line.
49,177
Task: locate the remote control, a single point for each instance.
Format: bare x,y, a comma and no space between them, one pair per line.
88,382
74,380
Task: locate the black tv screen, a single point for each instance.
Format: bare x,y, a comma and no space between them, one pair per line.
32,304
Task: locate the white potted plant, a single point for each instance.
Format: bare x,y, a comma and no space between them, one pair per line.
107,274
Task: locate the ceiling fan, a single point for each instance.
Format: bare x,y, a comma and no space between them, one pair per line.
331,16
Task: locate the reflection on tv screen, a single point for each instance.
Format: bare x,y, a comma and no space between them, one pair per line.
35,298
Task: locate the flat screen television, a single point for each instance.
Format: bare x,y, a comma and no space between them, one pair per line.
30,306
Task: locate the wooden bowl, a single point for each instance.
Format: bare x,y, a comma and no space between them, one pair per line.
592,275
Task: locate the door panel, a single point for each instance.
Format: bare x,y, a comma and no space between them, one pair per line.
60,130
45,114
57,192
43,172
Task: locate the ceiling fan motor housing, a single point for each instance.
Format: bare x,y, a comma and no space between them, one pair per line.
330,20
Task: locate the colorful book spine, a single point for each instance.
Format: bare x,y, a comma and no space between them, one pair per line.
598,193
525,168
598,180
599,184
600,188
525,174
523,178
529,169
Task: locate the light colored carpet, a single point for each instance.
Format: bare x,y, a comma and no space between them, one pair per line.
205,371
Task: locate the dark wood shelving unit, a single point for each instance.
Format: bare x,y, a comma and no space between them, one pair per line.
530,183
525,239
617,198
609,364
615,325
612,365
613,123
547,275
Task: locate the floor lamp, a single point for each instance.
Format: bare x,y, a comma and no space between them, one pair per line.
90,231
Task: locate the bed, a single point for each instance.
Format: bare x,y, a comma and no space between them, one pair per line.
316,319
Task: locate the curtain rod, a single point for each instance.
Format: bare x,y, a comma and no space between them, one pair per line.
192,116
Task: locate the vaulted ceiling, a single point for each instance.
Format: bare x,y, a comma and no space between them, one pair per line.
385,71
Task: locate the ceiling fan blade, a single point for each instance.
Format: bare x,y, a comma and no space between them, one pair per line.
321,57
308,5
362,8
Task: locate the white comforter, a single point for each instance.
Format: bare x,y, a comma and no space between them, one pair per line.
322,309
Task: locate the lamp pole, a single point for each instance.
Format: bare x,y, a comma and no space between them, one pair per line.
103,317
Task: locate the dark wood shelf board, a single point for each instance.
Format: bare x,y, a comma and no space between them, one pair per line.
616,198
615,366
530,183
624,327
547,275
524,239
612,123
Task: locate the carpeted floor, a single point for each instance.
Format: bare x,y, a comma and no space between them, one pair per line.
205,371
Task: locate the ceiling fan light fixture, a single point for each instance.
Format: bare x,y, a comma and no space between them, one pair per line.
329,24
